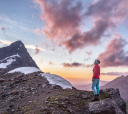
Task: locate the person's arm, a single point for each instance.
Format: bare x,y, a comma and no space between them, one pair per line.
94,72
92,76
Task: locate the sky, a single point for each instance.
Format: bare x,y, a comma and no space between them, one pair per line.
65,37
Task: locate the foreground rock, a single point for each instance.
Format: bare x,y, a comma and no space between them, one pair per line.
33,94
113,105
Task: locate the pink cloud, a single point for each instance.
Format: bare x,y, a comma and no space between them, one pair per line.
45,45
63,20
51,63
114,55
106,14
37,50
115,73
91,37
88,53
53,49
37,31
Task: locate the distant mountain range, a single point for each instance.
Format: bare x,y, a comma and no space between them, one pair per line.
88,86
121,83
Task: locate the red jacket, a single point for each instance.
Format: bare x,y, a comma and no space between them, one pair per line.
96,72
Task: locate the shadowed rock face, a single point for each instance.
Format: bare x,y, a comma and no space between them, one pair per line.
113,105
21,60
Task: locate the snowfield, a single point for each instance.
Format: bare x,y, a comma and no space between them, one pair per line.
9,60
25,70
52,78
17,55
57,80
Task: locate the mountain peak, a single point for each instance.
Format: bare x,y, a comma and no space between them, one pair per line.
17,43
13,56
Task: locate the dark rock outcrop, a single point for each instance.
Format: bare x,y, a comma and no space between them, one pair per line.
21,58
115,94
113,105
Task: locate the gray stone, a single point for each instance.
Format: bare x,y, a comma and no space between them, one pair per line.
2,80
107,106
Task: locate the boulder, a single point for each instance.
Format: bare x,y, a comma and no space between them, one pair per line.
106,106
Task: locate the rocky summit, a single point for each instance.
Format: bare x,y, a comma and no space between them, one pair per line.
27,90
14,56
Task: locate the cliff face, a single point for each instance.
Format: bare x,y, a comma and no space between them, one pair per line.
15,56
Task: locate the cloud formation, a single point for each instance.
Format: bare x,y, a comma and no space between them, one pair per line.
6,42
92,37
37,31
4,29
76,64
51,63
114,55
106,14
115,73
89,53
45,45
37,50
64,19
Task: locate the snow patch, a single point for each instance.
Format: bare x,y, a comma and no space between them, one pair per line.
17,55
25,70
57,80
9,62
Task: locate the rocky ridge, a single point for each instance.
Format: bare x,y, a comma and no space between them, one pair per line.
32,93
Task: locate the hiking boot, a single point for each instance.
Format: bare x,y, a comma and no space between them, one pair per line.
96,98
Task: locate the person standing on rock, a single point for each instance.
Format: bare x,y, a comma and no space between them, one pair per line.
95,80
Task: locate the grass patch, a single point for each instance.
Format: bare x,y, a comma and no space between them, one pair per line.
29,108
74,97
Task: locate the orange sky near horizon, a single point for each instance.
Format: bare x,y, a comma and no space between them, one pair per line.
77,76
